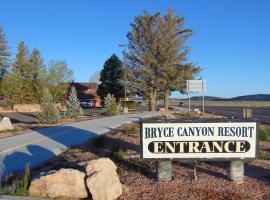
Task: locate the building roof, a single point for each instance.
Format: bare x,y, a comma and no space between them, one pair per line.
84,85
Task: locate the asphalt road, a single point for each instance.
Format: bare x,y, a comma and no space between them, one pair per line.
38,146
262,113
31,117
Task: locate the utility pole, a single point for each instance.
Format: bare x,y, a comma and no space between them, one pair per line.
125,74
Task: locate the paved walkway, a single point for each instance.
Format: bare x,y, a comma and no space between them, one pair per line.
38,146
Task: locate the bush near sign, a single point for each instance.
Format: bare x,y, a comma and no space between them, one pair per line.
207,139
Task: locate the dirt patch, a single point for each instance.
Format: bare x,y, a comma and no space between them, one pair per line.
139,175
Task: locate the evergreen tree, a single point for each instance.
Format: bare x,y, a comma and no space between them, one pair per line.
141,57
171,55
38,74
111,78
50,113
23,66
110,105
4,54
74,109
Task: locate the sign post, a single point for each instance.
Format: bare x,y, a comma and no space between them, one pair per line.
236,168
199,139
196,86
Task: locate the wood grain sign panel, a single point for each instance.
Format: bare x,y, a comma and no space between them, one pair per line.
199,140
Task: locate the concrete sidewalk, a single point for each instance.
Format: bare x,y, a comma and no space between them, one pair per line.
38,146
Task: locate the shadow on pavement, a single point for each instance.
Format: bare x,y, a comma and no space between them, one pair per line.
56,140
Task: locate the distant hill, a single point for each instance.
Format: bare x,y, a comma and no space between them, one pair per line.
254,97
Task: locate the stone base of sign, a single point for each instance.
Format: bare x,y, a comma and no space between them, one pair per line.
125,110
164,170
236,171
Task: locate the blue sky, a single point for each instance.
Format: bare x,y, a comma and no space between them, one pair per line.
231,40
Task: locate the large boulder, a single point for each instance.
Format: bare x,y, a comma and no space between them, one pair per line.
68,183
5,124
102,180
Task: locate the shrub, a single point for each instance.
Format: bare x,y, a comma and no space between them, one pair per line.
132,105
130,132
74,109
110,105
120,154
264,134
50,113
18,186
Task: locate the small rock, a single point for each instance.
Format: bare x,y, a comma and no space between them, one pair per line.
62,183
197,111
5,124
125,189
102,181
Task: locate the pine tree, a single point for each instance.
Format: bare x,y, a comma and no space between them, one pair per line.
4,54
110,105
111,78
50,113
141,57
38,74
171,55
74,109
23,66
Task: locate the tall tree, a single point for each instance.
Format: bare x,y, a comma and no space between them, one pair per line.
171,55
12,88
38,73
23,66
59,76
4,54
141,57
111,78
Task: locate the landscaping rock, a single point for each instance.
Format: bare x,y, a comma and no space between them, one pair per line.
62,183
102,181
5,124
101,164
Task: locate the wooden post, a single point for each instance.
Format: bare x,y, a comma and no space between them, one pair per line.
236,170
164,170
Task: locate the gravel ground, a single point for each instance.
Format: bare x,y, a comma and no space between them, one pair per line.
138,175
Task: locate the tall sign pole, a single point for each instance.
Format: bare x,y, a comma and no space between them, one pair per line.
125,75
196,86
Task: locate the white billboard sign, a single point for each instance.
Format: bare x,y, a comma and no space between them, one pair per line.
218,139
196,86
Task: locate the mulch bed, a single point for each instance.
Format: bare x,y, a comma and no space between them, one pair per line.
138,175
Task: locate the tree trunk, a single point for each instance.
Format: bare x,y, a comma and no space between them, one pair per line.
166,100
152,100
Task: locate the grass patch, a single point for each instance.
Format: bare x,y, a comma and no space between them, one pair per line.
130,132
264,134
13,131
263,156
120,154
186,115
17,185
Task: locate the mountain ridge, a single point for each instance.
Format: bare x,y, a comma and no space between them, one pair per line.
252,97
